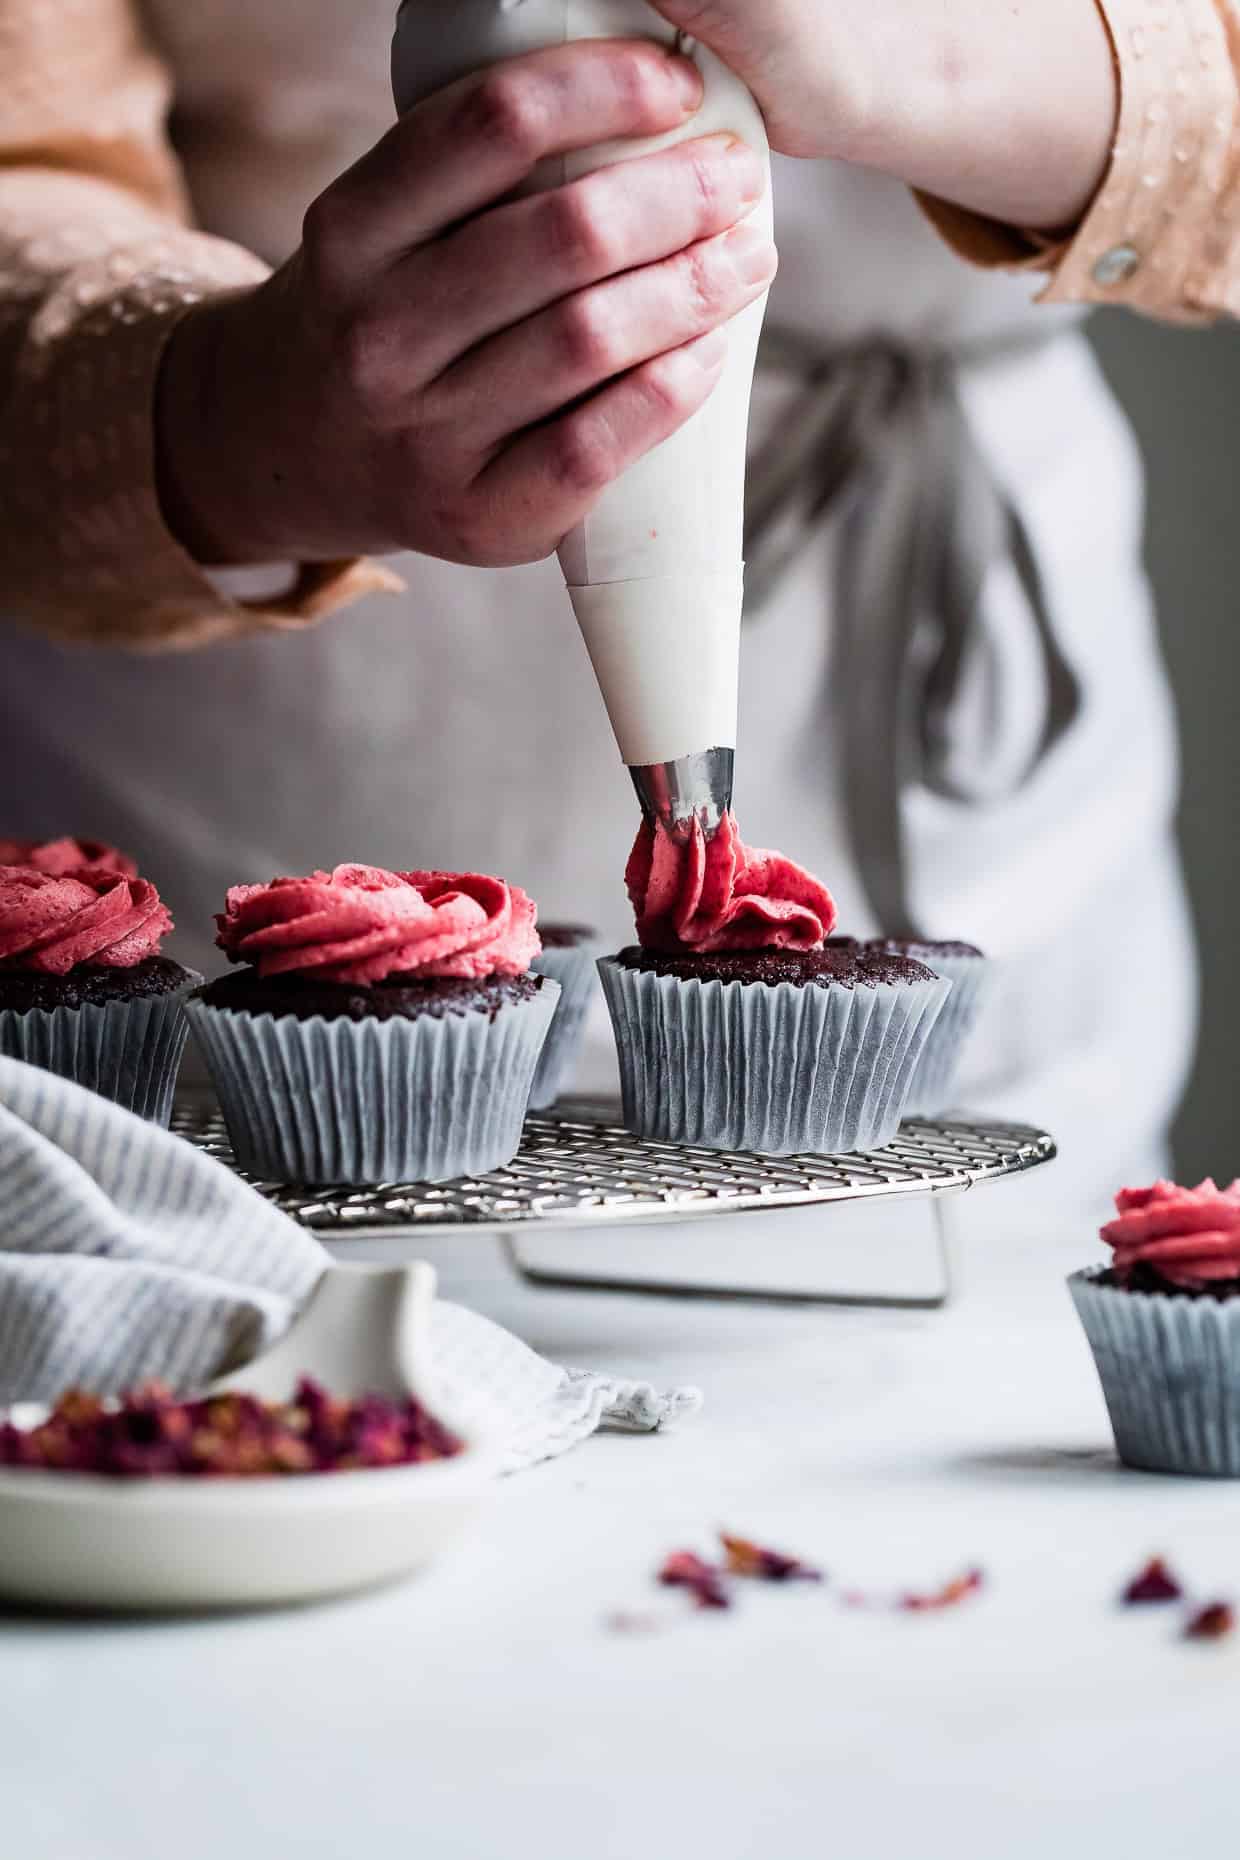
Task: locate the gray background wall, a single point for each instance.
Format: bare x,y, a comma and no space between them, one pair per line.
1182,390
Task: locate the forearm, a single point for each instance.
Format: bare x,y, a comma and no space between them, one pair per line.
1005,107
98,266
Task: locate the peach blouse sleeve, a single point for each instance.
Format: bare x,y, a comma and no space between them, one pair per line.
1163,232
97,262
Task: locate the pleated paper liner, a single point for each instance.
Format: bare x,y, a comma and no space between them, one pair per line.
1170,1372
576,970
935,1078
782,1070
128,1051
343,1101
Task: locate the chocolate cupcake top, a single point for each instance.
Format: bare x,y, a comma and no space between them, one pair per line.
397,997
22,990
565,936
834,966
925,951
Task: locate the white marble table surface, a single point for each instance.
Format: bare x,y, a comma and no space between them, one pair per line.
488,1713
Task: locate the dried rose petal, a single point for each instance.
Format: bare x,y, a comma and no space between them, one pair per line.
1155,1583
749,1559
684,1569
630,1621
148,1434
960,1589
1214,1622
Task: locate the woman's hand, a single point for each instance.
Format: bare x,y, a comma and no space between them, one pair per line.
446,368
1008,109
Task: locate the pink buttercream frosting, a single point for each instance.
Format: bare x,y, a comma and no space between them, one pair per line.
1187,1235
361,924
63,856
89,918
719,894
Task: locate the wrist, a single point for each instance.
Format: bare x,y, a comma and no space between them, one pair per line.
1009,112
234,478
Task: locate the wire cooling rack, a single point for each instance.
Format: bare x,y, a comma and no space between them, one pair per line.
579,1166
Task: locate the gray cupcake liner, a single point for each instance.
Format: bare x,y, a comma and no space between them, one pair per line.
781,1070
128,1051
361,1102
576,970
934,1081
1170,1372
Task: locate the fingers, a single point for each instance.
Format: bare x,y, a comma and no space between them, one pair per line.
546,483
506,265
479,139
531,372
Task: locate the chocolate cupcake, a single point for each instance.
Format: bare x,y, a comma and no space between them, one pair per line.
84,989
967,969
570,957
1163,1321
386,1026
739,1027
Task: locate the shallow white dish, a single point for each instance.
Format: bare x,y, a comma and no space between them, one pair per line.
74,1540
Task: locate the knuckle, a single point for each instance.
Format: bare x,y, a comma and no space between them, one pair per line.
666,391
322,239
581,233
583,459
363,350
640,79
588,337
509,111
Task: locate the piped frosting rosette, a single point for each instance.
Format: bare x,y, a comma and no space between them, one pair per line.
428,1097
83,989
1163,1322
67,855
780,1067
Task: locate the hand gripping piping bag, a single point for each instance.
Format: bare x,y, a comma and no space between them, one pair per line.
655,573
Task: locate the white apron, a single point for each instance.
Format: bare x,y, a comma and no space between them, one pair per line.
459,726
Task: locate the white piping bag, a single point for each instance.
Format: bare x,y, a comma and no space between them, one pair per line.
655,573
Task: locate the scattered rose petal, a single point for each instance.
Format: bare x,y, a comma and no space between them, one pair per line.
960,1589
1155,1583
683,1569
750,1559
148,1434
631,1621
1214,1622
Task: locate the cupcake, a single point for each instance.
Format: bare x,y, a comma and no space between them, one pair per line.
966,969
570,957
1163,1321
738,1026
84,990
386,1026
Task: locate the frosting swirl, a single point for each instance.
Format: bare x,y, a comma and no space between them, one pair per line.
706,896
89,918
360,924
60,857
1189,1236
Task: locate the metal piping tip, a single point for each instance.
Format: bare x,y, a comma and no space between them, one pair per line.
696,787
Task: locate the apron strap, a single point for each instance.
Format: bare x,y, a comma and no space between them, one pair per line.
926,521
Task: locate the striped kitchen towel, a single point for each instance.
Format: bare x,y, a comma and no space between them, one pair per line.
126,1253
